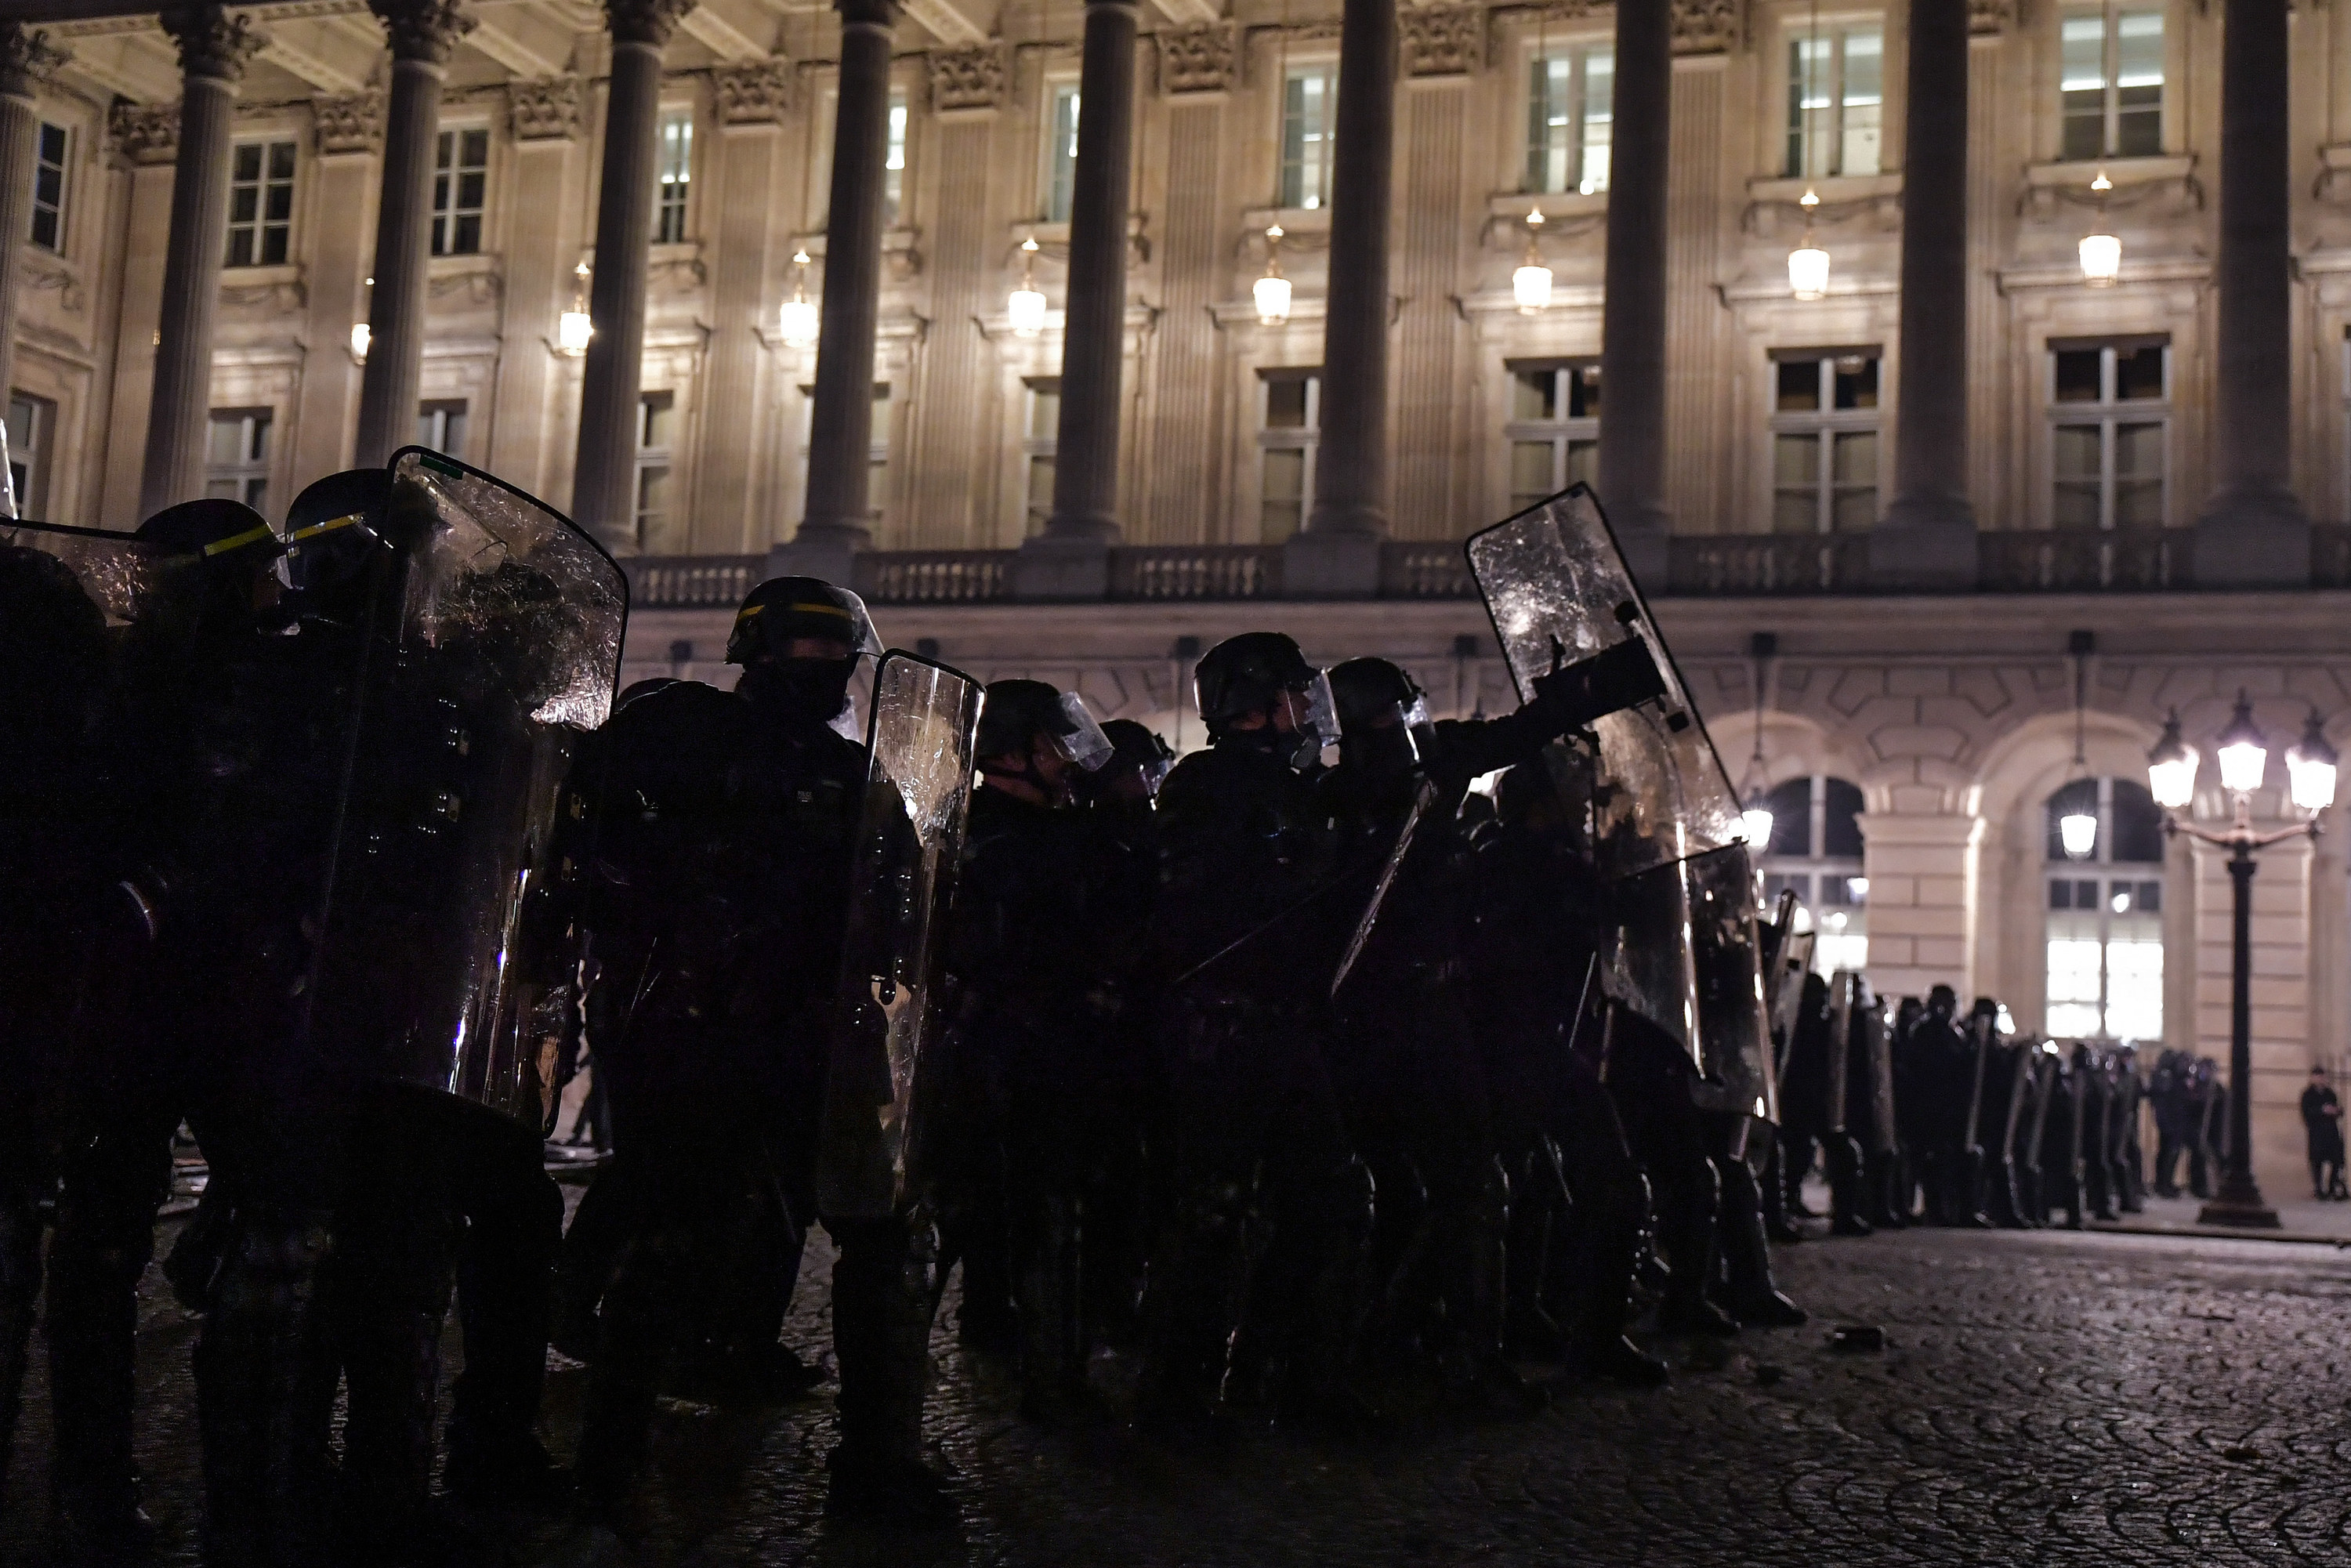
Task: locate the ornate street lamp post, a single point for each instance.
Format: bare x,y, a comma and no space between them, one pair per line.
2311,765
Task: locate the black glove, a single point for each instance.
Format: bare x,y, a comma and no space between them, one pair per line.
1608,682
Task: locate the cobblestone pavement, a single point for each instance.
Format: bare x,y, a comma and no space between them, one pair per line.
2044,1398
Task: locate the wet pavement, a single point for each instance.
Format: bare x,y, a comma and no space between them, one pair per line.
2043,1398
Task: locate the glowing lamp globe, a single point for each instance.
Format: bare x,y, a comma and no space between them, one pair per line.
1757,820
2172,770
572,330
360,338
1808,272
799,321
2245,757
2078,833
1272,296
1531,286
2309,768
2102,260
1026,307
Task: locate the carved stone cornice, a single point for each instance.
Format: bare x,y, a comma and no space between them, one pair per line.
967,78
27,60
544,108
1987,16
145,133
1196,59
753,93
1441,40
646,21
1706,26
424,30
348,122
212,42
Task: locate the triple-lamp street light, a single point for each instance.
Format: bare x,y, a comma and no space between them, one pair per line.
2310,765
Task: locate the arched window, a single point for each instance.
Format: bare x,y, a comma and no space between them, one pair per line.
2106,913
1815,849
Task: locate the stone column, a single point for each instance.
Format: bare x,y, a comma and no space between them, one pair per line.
26,61
348,131
1633,312
544,112
1094,341
1928,536
841,420
214,49
421,33
1338,551
727,513
603,481
2253,532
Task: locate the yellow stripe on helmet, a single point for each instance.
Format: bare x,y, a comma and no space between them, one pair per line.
329,526
238,541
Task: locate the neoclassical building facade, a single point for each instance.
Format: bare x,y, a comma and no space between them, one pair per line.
750,284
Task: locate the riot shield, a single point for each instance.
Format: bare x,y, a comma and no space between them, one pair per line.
1845,992
492,648
1558,591
1980,1038
1787,986
2020,1086
1734,1032
120,574
921,729
1872,1047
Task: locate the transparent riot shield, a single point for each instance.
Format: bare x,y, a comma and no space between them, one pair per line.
1734,1032
1558,591
1981,1042
2019,1076
1785,987
1872,1050
1845,992
493,648
119,573
923,726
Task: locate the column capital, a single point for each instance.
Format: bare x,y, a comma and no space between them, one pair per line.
422,30
544,108
757,93
27,60
1196,59
646,21
867,13
1442,40
213,43
1706,26
348,122
967,78
145,133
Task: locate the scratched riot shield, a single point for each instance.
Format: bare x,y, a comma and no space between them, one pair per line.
1558,591
1845,991
1734,1029
921,729
492,646
1785,989
1873,1063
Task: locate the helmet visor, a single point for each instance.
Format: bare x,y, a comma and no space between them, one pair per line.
1079,738
1317,715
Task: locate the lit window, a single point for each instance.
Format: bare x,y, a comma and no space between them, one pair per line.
1310,101
236,460
656,428
2111,67
2110,420
1824,441
461,174
675,162
1570,98
2106,915
893,168
442,427
260,203
1290,419
31,422
1554,427
1041,433
1836,101
1061,153
1816,852
50,145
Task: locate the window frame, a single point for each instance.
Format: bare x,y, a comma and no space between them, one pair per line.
674,176
1826,422
2110,15
1059,198
436,417
448,215
1796,130
2101,867
1306,439
1324,135
899,138
652,459
1534,169
2107,415
58,207
261,227
877,447
1038,446
1565,435
33,452
1842,924
249,474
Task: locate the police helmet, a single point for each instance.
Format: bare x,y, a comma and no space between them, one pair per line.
1141,748
1248,673
216,531
784,608
1366,691
1016,712
332,529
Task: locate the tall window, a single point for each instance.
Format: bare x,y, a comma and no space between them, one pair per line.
461,177
656,428
1290,421
1041,433
893,168
877,452
1062,152
674,175
1554,429
1824,441
2110,411
260,203
50,146
30,424
236,464
2106,915
1836,101
1570,97
1815,849
442,427
2112,78
1309,103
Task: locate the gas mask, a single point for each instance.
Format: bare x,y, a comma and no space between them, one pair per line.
798,691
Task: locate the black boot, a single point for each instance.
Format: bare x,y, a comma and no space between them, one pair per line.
104,1240
20,1290
1540,1210
1773,1191
1053,1388
1753,1297
885,1294
1474,1369
1847,1200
